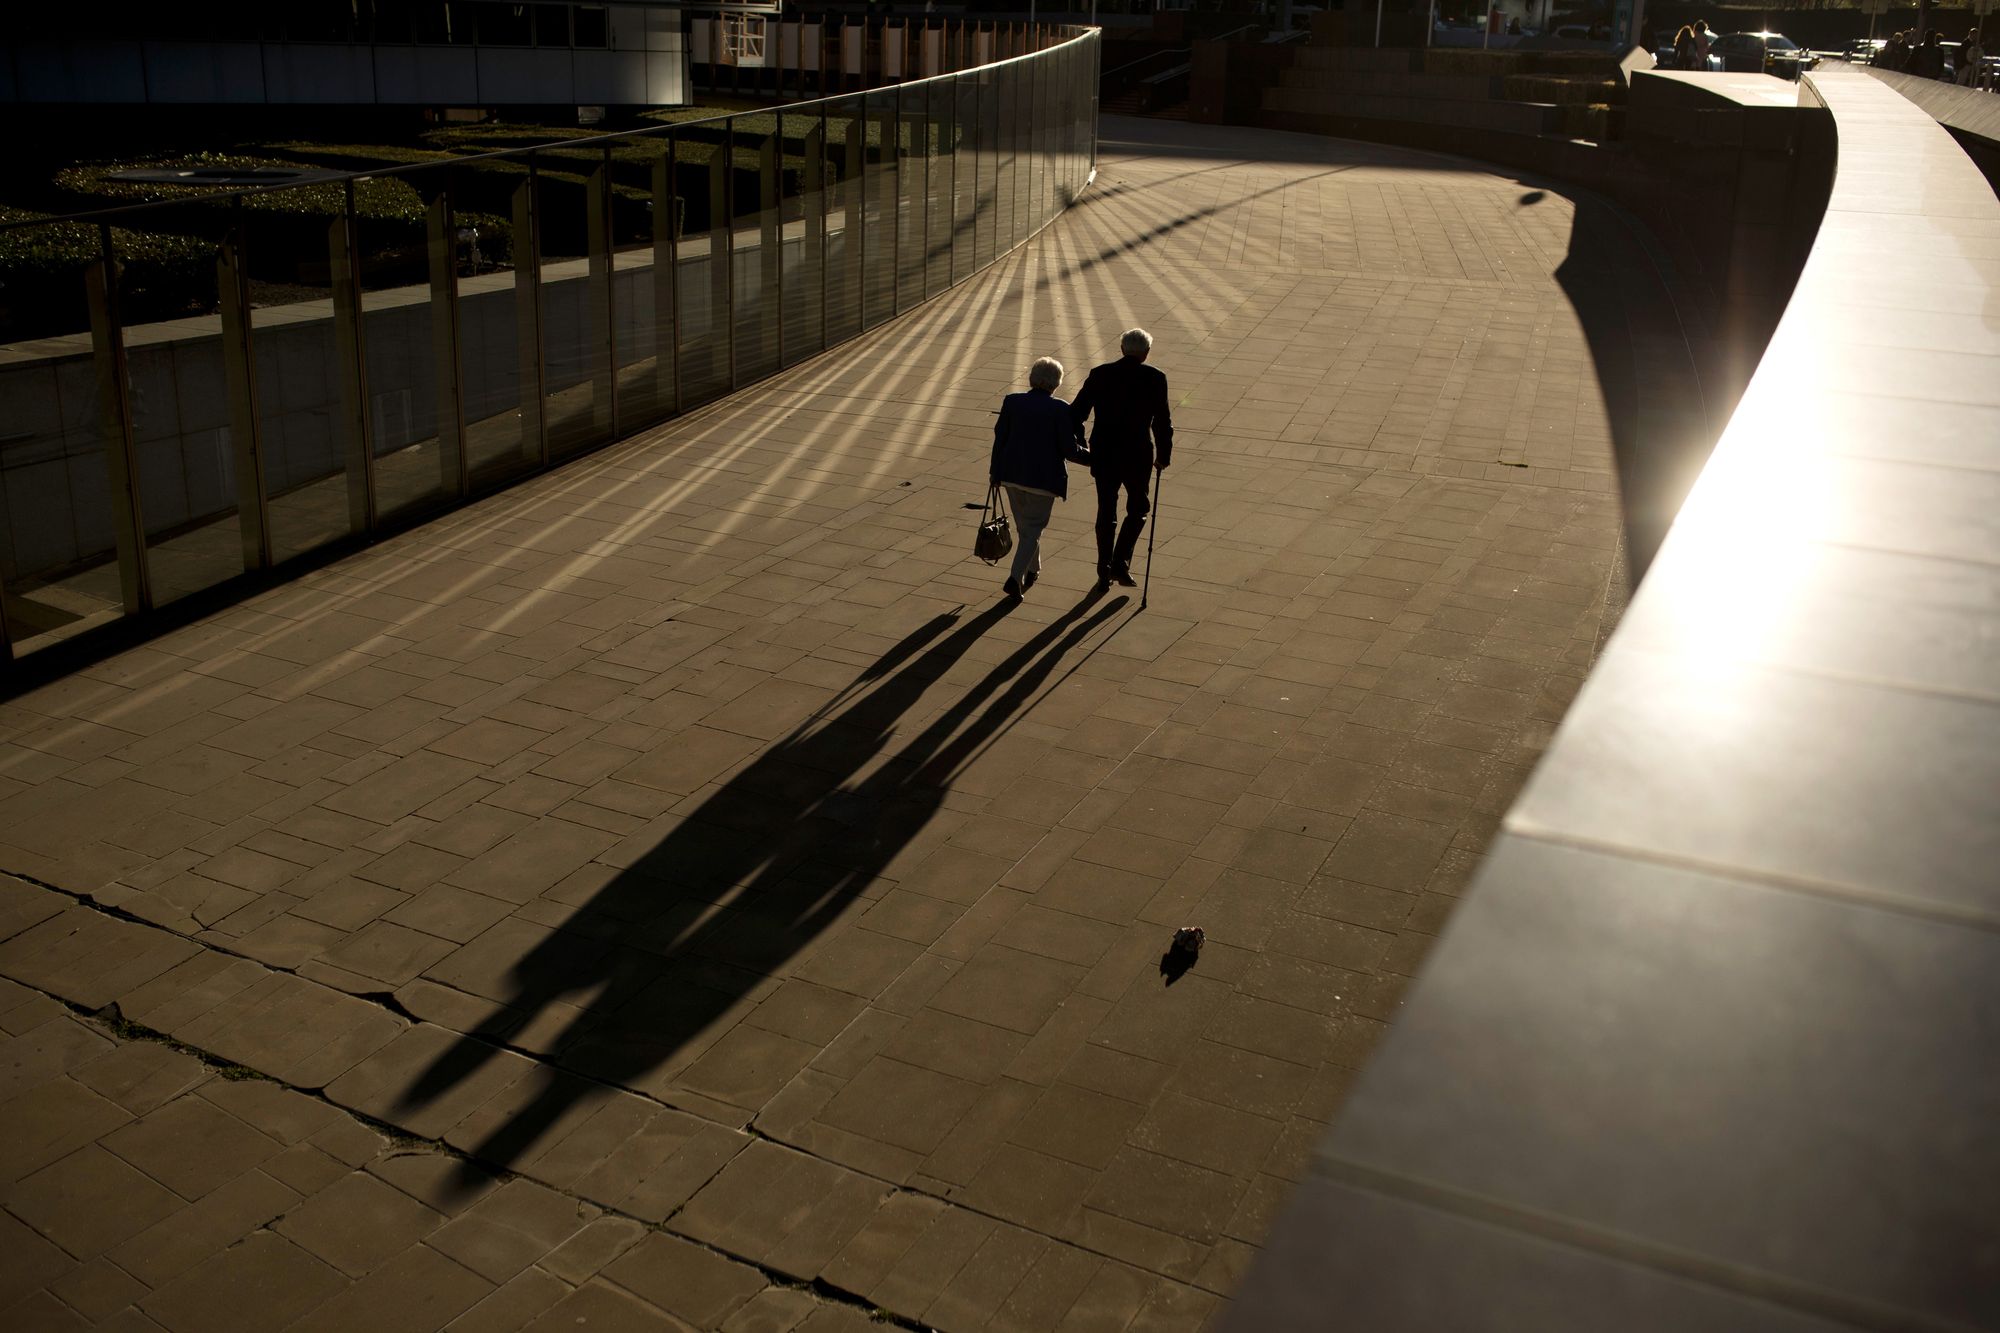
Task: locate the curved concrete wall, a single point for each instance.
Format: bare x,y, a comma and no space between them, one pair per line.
1710,1045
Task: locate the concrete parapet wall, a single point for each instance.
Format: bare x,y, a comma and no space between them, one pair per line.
1971,115
1710,1043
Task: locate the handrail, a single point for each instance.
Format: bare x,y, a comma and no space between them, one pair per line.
1146,59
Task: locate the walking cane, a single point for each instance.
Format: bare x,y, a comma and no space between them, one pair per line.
1159,479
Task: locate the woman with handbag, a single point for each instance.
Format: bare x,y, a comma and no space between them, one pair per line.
1033,436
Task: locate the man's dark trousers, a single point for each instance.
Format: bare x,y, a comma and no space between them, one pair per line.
1117,552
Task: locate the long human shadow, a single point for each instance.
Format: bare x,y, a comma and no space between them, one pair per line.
753,875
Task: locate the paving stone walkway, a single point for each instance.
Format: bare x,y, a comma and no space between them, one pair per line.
677,892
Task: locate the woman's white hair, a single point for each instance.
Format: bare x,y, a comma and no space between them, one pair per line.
1046,373
1136,342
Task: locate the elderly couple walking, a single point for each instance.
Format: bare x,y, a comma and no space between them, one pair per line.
1037,431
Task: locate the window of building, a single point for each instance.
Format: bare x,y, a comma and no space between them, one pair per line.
593,29
551,25
506,25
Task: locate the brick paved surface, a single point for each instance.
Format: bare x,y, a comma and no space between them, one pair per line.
692,840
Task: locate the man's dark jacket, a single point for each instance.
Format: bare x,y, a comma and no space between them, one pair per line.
1030,440
1130,399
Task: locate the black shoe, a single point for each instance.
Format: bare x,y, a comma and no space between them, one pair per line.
1103,574
1123,573
1028,581
1012,587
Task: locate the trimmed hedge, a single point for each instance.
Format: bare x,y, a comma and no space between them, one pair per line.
168,255
42,268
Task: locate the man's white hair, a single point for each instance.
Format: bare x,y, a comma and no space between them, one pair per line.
1136,342
1046,373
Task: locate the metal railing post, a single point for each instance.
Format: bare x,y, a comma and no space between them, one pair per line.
344,261
924,155
951,259
892,153
771,237
817,192
114,404
855,201
721,261
443,246
603,332
666,302
232,286
528,317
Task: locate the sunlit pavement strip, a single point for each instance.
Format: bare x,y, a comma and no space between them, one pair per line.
811,902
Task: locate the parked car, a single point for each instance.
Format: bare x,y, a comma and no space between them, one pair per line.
1863,50
1762,53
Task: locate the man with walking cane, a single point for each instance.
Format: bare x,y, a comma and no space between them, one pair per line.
1133,436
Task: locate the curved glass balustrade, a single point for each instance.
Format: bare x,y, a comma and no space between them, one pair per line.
197,390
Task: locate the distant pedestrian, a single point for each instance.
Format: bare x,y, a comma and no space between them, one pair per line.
1971,55
1684,49
1033,436
1701,43
1134,434
1927,61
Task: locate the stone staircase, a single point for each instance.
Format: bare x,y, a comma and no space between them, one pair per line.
1134,103
1162,94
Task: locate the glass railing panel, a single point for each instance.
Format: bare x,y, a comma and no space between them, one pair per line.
409,267
1040,104
879,221
965,175
1063,81
701,282
59,573
306,399
185,436
1006,125
940,121
753,240
498,351
573,228
912,185
644,202
1079,88
802,239
846,215
986,158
